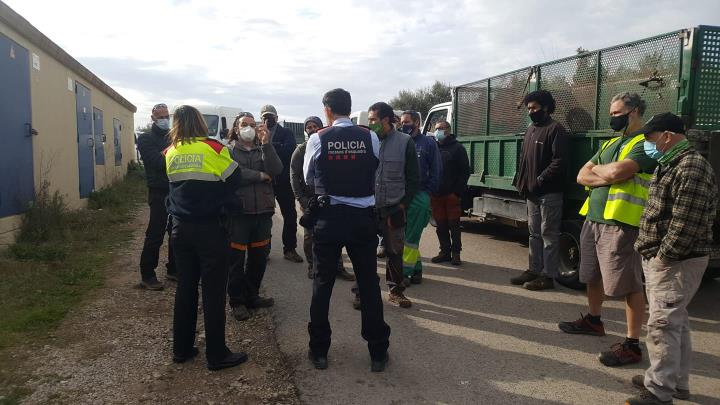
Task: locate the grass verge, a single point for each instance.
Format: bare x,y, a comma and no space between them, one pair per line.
57,261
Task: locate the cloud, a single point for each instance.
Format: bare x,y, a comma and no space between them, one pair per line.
288,53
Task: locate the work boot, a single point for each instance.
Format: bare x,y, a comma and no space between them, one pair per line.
152,284
526,276
231,360
356,302
455,259
583,326
397,297
441,257
260,302
646,398
240,312
381,252
378,365
638,381
182,358
292,256
620,354
320,362
416,278
540,283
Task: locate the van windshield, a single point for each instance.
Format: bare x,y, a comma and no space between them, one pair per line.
212,122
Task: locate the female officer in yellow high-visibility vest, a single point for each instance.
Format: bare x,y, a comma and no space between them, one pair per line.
202,176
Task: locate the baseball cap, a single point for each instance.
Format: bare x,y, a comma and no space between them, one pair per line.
268,109
663,122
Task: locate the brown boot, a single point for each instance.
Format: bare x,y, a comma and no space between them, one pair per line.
397,297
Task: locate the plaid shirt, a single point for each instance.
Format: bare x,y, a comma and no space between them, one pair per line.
678,218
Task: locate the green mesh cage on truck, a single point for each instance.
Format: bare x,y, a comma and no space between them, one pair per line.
678,72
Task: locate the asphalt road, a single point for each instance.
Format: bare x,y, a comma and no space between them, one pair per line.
472,338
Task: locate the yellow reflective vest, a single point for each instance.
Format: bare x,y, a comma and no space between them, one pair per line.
626,200
203,159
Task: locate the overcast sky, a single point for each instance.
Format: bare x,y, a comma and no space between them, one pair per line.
288,53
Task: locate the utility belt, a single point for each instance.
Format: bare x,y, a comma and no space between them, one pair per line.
315,205
321,204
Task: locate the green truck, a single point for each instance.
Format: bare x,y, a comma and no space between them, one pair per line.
678,72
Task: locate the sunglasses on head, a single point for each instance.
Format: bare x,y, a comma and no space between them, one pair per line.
245,114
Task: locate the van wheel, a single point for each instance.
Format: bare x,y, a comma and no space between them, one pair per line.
569,275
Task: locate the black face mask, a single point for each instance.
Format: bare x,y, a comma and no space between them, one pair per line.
537,116
270,122
619,122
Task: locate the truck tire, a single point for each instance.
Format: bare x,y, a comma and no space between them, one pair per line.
569,249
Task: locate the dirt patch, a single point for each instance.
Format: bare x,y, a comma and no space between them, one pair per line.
118,349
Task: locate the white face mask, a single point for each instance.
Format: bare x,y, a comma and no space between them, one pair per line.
247,134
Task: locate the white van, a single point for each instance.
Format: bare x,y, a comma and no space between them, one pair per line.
439,112
361,117
218,119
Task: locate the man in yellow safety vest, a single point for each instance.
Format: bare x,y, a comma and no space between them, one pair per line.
618,177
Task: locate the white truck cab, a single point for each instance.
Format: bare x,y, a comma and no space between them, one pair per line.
219,119
361,117
439,112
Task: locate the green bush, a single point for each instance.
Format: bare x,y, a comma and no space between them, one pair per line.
44,252
45,217
119,194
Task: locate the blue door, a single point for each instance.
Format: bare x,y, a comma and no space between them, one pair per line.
86,143
99,137
17,184
117,129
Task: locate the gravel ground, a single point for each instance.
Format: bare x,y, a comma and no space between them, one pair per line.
117,349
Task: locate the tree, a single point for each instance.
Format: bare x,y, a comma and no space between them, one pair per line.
144,128
421,100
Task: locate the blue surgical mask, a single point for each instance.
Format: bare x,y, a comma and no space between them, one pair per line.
652,151
439,134
163,123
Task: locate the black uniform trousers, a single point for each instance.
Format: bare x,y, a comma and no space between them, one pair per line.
356,230
286,200
155,234
201,252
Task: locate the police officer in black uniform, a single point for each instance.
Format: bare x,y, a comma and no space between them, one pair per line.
340,162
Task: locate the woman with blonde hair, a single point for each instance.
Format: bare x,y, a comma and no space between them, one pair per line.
202,175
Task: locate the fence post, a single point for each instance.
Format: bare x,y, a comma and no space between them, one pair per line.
487,110
598,84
